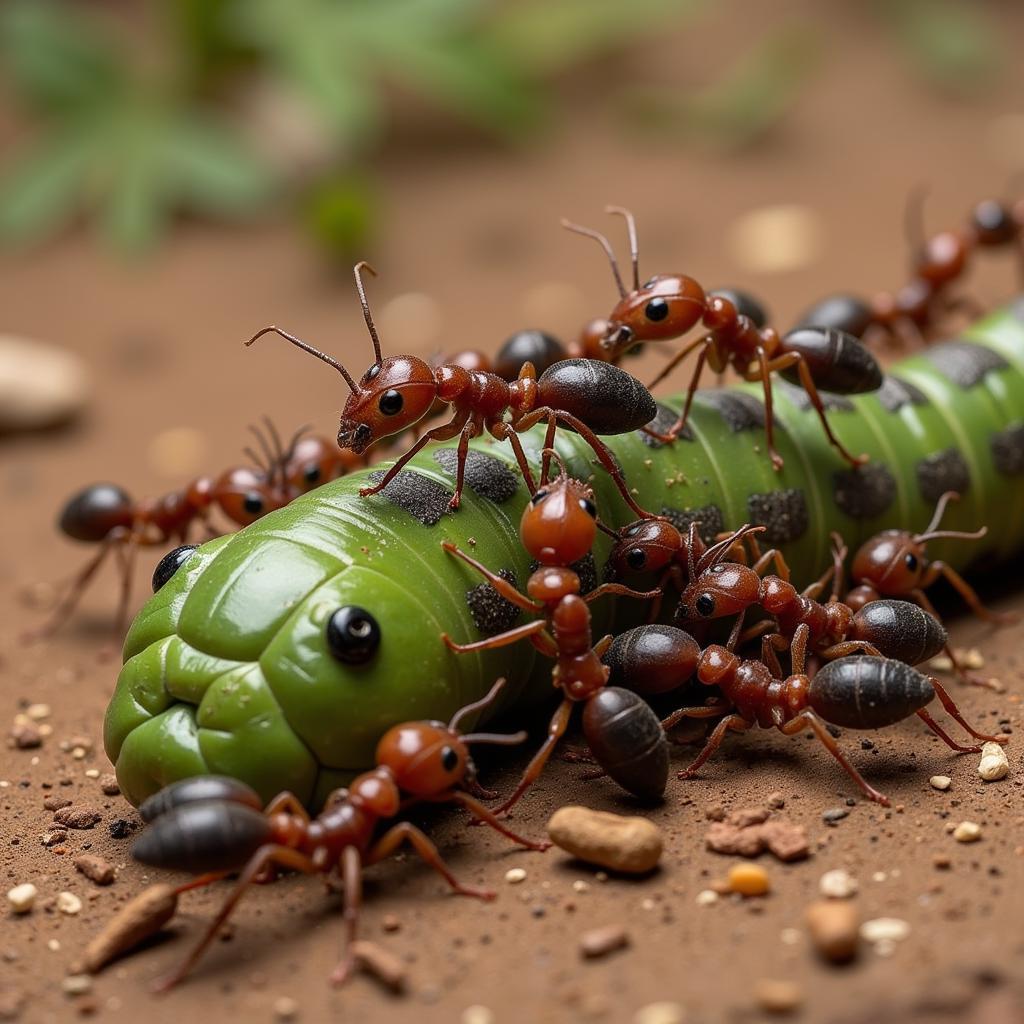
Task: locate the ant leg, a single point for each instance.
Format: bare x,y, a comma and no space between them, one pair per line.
737,629
808,719
954,712
405,830
445,432
510,636
756,630
549,443
847,647
683,352
352,879
263,858
970,596
622,591
500,584
735,722
126,557
719,707
501,431
798,648
556,729
602,645
770,657
764,373
943,735
770,557
483,814
287,803
469,431
698,368
201,882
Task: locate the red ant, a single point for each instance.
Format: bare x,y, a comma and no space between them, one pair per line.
853,692
558,527
717,588
668,305
894,563
215,825
107,515
590,398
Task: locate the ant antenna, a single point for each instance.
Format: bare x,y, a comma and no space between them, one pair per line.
497,739
561,464
358,271
605,244
923,538
299,343
278,463
293,443
249,453
268,455
477,705
717,552
634,248
913,218
940,509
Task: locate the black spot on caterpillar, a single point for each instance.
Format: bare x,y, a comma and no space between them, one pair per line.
964,363
942,471
739,410
1008,450
802,400
783,513
864,492
896,393
421,497
487,476
491,613
710,518
661,423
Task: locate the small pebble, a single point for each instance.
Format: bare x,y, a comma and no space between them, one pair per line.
391,923
515,875
884,929
834,815
994,762
381,963
22,897
776,801
77,817
95,868
37,712
706,897
749,880
54,802
40,385
69,903
285,1008
631,845
76,984
837,884
477,1014
778,996
25,735
834,925
940,782
967,832
143,916
108,784
660,1013
600,942
580,886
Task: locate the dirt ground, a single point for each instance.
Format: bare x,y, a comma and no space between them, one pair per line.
477,230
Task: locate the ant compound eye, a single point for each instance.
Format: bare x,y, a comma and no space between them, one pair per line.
636,558
391,403
170,564
656,310
539,496
311,474
705,604
911,562
589,507
449,759
253,503
353,635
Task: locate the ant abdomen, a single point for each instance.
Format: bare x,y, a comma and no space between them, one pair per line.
846,313
196,790
862,692
605,398
212,835
627,741
530,346
899,630
652,659
837,360
93,512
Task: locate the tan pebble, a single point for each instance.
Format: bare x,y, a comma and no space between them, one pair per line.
778,996
95,868
76,984
994,763
391,923
775,239
69,903
941,663
285,1008
54,802
92,773
837,884
884,929
600,942
967,832
940,782
747,816
382,964
22,897
749,880
785,841
515,875
776,801
706,897
77,817
834,925
477,1014
37,712
40,385
628,844
53,945
580,886
972,658
137,920
722,837
26,735
177,452
108,784
660,1013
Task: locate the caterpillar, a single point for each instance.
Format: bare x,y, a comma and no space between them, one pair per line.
280,654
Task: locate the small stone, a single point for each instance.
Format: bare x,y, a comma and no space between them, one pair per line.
37,712
660,1013
580,886
600,942
940,782
41,385
391,923
778,996
971,658
941,663
884,929
749,880
747,816
77,817
515,875
837,884
833,925
95,868
53,945
54,802
22,897
714,812
942,861
994,763
786,841
834,815
477,1014
722,837
26,735
776,801
69,903
285,1008
967,832
382,964
76,984
54,836
108,784
631,845
135,921
706,897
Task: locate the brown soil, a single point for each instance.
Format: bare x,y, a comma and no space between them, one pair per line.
478,231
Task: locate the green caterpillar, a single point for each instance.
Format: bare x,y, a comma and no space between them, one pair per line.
228,668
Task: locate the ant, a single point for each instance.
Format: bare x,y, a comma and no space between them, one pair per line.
852,692
216,825
557,528
937,263
667,306
107,515
894,563
590,398
717,588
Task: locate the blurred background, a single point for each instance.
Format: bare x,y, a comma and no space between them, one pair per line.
176,174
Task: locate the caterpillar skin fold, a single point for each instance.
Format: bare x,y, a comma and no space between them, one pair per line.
279,655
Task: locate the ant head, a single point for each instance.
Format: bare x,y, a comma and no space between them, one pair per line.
245,494
425,758
560,522
893,562
666,306
312,462
647,545
725,588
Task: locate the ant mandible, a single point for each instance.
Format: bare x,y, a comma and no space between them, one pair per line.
558,527
215,825
667,306
589,397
